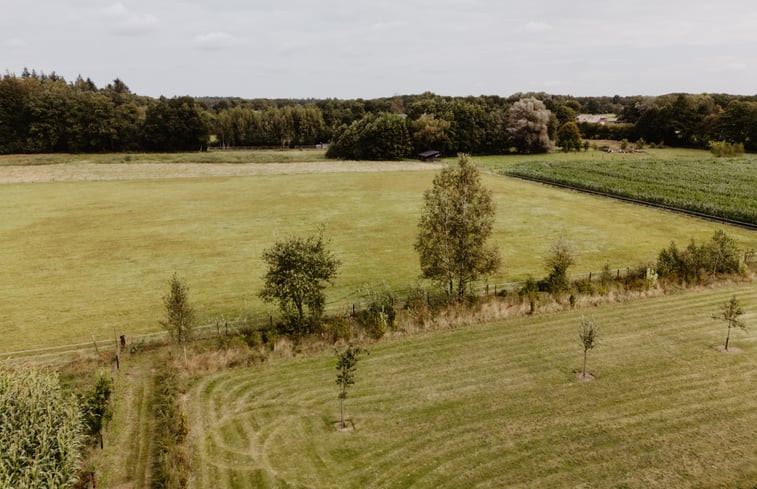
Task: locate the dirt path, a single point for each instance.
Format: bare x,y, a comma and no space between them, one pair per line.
76,172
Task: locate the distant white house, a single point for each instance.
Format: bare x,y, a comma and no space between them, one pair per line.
601,119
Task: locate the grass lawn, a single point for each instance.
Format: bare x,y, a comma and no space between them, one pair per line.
499,405
240,156
84,258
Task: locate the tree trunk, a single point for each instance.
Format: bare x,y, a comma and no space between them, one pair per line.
727,337
341,406
583,376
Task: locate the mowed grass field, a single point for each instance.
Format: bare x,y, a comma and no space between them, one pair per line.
93,258
498,405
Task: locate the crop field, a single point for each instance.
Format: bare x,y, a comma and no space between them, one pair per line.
499,405
723,187
84,258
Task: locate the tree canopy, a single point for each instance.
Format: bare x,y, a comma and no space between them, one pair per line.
299,268
456,222
528,126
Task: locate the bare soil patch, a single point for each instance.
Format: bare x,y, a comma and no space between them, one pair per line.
348,426
76,172
585,378
731,349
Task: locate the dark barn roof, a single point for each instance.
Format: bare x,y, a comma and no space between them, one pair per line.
429,155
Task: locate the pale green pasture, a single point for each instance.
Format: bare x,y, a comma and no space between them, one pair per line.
215,156
86,258
498,405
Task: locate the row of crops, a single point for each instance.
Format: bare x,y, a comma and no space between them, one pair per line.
723,188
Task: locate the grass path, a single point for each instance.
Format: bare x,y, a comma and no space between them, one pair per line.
498,405
126,459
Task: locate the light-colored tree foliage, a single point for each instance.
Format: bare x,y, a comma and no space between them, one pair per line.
560,257
346,366
430,132
730,314
456,222
588,335
528,126
180,315
299,268
41,432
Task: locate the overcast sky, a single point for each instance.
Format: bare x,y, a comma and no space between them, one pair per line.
377,48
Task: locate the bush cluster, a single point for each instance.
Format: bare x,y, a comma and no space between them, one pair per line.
724,148
695,263
170,460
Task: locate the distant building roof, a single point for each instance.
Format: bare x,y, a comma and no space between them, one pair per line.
430,154
597,118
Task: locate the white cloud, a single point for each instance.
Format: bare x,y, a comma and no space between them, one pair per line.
214,41
127,23
15,43
536,27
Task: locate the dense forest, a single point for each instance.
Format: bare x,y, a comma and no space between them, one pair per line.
44,113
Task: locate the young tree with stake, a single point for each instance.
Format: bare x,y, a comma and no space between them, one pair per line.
730,314
588,335
346,365
180,316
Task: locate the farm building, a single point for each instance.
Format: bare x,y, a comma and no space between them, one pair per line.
430,155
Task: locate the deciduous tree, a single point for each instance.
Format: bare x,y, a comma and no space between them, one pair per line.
561,257
730,314
346,366
180,315
588,336
528,126
456,222
569,137
298,270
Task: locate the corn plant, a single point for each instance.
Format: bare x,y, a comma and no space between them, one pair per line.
41,432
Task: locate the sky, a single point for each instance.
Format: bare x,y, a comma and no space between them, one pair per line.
380,48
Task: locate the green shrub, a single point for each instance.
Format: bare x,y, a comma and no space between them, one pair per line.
423,304
724,148
96,406
379,314
695,263
338,328
170,459
530,292
41,431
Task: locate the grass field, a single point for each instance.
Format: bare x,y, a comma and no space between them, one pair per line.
242,156
722,187
84,258
498,405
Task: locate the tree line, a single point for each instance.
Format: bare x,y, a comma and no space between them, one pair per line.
42,113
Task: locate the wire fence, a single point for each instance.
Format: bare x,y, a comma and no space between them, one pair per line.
347,304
